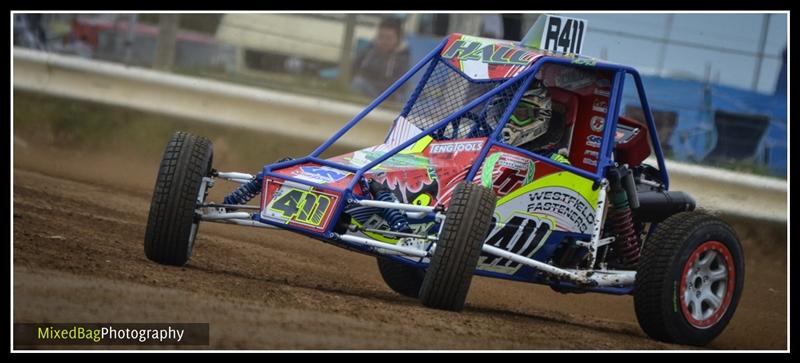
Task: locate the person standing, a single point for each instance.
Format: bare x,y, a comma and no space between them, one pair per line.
383,62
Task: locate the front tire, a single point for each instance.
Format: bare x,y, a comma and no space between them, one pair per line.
172,224
449,275
689,280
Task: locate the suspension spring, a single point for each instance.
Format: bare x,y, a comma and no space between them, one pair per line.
625,244
620,219
397,221
244,192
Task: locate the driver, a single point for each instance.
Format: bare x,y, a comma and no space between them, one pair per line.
531,126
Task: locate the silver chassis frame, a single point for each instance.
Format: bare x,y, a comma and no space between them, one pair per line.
217,213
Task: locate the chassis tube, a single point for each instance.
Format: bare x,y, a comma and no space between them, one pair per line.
598,222
234,175
230,206
606,278
536,264
373,243
243,222
218,216
394,205
599,278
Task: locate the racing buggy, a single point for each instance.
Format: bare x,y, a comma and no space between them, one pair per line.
508,160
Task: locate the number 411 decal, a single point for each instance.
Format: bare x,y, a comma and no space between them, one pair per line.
300,206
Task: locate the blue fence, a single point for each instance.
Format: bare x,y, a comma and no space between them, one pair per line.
700,113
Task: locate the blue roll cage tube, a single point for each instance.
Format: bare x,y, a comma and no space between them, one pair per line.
525,77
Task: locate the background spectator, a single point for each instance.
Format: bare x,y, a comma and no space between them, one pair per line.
383,62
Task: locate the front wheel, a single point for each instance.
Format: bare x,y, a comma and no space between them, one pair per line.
172,224
689,280
466,225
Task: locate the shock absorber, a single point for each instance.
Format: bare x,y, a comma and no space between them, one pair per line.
397,221
620,219
248,190
244,192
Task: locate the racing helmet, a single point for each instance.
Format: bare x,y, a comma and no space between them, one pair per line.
531,118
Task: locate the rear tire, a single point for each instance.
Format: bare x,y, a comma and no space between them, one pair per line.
403,279
689,280
172,224
453,264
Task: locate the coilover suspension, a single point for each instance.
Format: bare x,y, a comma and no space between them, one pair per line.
244,192
247,191
620,220
396,219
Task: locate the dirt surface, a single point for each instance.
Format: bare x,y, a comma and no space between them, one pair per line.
79,221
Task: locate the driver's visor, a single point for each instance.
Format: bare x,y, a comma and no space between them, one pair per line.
523,114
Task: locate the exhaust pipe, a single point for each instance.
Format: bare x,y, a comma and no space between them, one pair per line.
655,206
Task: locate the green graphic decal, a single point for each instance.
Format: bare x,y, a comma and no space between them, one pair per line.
510,178
488,167
531,171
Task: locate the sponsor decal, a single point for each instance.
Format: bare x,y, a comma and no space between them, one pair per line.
490,53
320,174
592,153
514,162
596,123
593,141
588,161
602,92
506,172
600,105
568,198
570,209
590,62
455,147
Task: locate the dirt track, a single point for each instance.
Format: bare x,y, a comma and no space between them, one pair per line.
79,220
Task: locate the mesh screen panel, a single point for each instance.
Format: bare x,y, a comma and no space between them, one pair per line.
446,91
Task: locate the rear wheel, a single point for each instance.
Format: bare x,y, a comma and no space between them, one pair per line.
172,224
403,279
449,275
689,280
